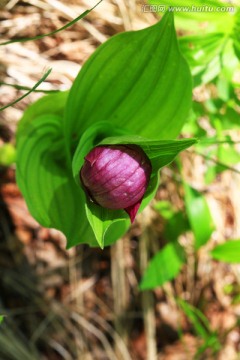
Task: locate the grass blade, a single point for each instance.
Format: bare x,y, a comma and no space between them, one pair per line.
28,92
85,13
22,87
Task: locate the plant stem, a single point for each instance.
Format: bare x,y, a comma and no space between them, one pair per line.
147,296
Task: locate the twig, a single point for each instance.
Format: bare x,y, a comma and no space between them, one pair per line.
119,294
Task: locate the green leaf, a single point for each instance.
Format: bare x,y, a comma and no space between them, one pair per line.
199,216
44,175
236,34
176,226
41,107
102,219
165,209
228,252
136,80
1,319
160,152
163,267
7,154
200,52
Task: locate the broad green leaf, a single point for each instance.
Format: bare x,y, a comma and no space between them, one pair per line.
102,219
160,152
199,14
1,319
163,267
199,216
136,80
199,50
228,252
46,181
41,107
44,174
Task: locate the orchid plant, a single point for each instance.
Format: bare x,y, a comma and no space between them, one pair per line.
88,159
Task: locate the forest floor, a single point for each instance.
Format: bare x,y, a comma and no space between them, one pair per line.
85,303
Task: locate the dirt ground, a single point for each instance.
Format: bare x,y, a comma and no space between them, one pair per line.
85,303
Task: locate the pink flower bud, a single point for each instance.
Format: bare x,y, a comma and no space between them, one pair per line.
116,177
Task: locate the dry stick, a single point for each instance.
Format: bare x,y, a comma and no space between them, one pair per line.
73,280
120,295
147,296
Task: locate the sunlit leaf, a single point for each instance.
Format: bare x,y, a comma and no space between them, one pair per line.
41,107
163,267
7,154
104,221
44,175
236,34
199,216
201,51
137,80
165,209
228,252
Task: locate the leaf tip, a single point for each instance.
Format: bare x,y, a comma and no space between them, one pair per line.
101,245
132,210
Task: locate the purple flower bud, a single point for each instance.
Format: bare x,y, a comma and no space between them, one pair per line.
116,177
